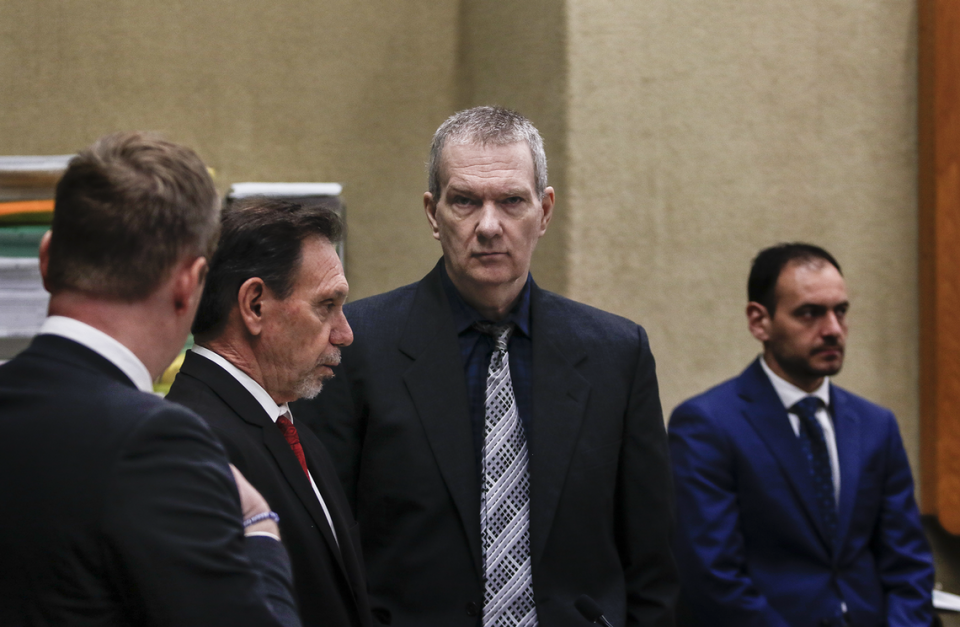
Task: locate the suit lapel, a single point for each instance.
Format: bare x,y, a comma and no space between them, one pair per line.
846,424
233,394
328,484
559,400
437,387
292,471
765,412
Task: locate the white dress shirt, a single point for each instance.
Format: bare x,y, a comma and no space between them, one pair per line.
789,395
103,345
273,410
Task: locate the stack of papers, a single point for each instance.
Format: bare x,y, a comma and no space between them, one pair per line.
23,301
284,190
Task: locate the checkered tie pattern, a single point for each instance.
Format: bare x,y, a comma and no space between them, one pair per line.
815,448
505,497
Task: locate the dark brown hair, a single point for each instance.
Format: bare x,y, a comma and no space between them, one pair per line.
259,237
770,262
127,209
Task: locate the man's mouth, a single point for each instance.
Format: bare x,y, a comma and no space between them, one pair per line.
828,351
330,359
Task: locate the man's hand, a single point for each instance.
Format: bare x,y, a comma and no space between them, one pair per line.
253,503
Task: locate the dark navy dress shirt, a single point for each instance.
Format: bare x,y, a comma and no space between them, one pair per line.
476,349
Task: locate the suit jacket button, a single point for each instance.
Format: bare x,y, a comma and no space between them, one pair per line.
473,609
825,622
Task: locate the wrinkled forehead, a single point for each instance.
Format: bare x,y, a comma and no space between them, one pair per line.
320,265
468,152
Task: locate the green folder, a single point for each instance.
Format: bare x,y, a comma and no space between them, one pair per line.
21,241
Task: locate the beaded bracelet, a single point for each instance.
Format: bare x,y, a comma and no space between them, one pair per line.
262,516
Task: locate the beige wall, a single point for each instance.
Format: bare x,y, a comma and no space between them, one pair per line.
514,54
308,90
699,133
683,136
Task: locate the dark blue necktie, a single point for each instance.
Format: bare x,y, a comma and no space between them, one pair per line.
815,448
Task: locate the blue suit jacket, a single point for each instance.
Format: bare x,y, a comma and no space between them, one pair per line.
750,543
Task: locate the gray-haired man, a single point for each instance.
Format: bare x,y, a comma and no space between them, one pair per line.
503,446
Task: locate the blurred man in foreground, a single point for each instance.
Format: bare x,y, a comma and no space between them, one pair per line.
119,508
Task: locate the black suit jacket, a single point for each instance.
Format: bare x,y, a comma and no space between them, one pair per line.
396,421
118,508
329,581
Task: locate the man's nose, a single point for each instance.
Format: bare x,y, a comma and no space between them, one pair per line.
832,324
489,225
342,334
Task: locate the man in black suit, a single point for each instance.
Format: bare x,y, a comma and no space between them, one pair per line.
119,508
503,446
268,331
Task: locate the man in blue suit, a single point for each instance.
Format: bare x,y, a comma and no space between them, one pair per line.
794,497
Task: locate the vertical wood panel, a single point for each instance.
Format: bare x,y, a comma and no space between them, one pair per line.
939,201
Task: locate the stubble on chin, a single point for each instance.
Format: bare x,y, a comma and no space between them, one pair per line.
311,384
806,368
827,368
307,389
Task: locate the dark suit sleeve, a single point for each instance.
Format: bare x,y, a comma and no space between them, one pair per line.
272,565
645,514
900,546
172,524
709,543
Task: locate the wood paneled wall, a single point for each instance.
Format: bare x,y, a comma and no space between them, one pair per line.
939,202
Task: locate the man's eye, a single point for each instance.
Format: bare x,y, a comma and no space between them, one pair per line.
809,313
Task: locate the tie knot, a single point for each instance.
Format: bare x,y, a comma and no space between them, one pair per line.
807,407
500,331
289,431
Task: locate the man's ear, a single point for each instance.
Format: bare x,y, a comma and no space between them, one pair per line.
430,207
758,320
250,299
547,203
45,257
188,285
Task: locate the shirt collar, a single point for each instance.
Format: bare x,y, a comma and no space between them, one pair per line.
256,390
789,393
464,315
102,344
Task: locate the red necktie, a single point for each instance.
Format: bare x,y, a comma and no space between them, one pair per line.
290,433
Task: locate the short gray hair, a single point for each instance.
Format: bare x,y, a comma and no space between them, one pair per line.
482,126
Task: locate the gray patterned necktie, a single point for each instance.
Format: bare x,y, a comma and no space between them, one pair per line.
505,497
